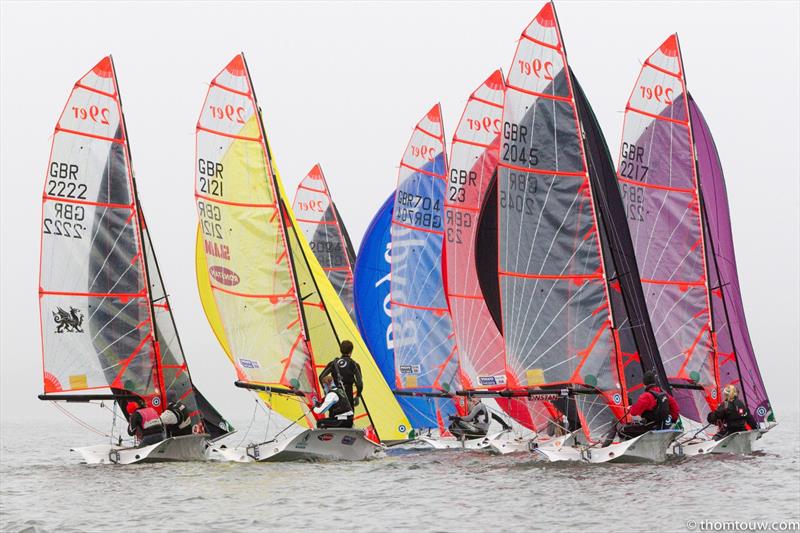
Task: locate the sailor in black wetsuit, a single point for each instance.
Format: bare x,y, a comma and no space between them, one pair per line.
732,415
346,373
336,404
476,424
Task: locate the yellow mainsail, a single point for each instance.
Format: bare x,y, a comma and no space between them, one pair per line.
266,297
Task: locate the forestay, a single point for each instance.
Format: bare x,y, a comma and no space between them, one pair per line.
319,219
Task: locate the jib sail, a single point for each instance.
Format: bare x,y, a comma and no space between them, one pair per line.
325,232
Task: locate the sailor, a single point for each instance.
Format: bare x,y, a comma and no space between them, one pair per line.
176,419
144,423
732,415
657,409
346,373
476,424
336,404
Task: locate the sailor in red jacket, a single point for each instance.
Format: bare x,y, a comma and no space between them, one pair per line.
657,409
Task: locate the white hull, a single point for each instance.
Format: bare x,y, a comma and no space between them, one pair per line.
184,448
648,448
451,443
736,443
334,444
527,444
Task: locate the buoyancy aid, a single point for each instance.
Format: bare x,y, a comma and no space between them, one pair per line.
658,416
151,422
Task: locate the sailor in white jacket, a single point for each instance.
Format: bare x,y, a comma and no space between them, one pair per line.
336,404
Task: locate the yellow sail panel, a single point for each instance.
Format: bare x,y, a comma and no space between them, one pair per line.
288,407
328,323
243,242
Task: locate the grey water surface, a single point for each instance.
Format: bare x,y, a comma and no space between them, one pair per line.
44,488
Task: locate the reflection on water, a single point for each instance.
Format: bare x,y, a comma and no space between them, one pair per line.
43,488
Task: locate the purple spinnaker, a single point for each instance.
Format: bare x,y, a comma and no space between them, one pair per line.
730,325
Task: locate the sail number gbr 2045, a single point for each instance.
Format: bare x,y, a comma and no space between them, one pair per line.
516,151
515,195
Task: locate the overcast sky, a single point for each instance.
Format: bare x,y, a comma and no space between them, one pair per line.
343,84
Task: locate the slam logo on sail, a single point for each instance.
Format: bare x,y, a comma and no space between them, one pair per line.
223,275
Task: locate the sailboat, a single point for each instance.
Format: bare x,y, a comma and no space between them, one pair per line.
274,311
569,304
108,332
325,232
671,182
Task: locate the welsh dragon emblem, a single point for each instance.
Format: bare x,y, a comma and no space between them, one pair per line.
68,321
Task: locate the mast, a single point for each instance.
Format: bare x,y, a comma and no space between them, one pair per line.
145,269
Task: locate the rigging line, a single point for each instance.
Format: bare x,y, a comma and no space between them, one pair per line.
78,420
252,420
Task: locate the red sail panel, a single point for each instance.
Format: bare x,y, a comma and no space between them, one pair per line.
658,180
324,230
473,164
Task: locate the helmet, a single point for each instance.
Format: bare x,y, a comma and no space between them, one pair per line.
730,392
131,407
